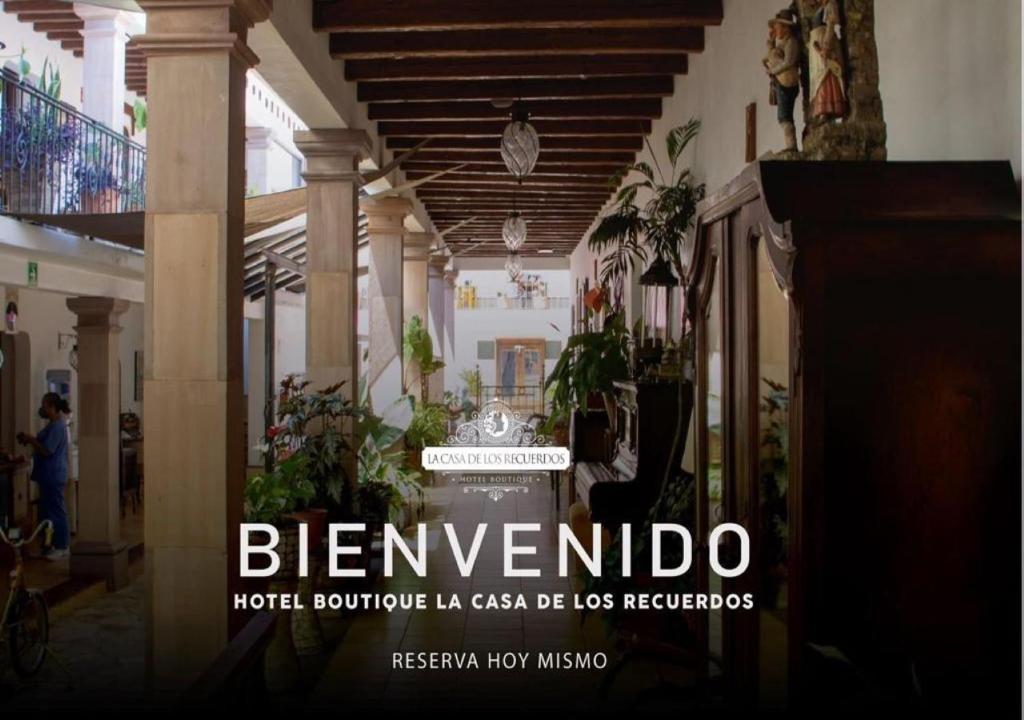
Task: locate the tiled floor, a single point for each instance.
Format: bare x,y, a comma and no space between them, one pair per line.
361,673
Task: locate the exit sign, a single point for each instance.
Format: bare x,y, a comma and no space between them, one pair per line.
33,273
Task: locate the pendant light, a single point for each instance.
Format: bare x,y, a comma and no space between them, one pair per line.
514,266
520,145
513,232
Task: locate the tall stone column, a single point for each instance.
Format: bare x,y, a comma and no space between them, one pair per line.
195,192
436,319
451,277
385,226
105,34
98,550
414,294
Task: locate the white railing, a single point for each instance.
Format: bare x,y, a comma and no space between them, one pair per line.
512,303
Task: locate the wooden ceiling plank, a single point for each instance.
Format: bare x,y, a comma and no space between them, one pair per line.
494,128
539,110
515,41
626,145
525,89
515,66
399,15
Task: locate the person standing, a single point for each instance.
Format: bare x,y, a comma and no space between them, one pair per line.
50,471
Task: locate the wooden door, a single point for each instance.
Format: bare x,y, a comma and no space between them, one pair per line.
519,373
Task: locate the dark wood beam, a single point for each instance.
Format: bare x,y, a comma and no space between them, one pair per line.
397,15
515,66
493,157
539,110
34,17
481,43
541,169
534,179
525,89
437,188
494,128
578,143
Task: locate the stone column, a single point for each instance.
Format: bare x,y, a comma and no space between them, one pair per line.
414,295
195,192
436,318
451,277
98,551
105,35
385,227
257,160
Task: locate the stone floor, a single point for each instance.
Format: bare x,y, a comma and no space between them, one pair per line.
360,674
99,657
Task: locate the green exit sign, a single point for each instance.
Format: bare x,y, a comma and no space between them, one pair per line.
33,273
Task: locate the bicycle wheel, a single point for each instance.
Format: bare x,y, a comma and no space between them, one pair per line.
28,632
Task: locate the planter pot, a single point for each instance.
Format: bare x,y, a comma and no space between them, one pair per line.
561,436
25,190
288,551
280,661
99,202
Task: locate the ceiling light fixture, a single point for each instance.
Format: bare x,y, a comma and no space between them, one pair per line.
513,232
520,145
514,266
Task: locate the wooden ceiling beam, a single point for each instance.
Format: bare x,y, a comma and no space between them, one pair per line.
513,41
492,157
524,89
541,168
48,7
399,15
494,128
533,181
515,66
439,189
539,110
626,145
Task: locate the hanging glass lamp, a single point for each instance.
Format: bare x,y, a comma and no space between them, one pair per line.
520,145
514,266
513,232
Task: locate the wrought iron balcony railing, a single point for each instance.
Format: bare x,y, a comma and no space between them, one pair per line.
54,160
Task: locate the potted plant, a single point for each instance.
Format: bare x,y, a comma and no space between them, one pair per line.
34,134
474,386
99,187
590,363
428,427
418,349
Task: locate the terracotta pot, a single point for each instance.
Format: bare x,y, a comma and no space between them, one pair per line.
98,203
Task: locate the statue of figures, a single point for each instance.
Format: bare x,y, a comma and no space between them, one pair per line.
825,62
783,65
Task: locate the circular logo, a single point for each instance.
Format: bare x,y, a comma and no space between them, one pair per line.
495,423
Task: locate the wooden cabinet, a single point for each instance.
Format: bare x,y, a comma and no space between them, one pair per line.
857,410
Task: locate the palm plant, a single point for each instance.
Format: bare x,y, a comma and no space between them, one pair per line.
632,234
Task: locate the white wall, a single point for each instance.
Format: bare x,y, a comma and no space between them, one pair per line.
44,316
38,49
474,325
950,83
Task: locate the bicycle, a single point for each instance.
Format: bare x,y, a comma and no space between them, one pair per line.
25,623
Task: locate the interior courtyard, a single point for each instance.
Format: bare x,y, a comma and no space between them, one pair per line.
260,255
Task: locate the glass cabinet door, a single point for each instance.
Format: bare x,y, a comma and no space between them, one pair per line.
713,481
773,481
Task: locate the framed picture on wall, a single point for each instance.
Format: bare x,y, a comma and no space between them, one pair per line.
138,376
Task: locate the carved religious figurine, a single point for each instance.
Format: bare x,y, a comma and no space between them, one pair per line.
825,62
783,65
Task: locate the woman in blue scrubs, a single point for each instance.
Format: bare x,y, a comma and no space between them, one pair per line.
50,470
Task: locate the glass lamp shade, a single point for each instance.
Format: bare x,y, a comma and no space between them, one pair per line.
520,147
513,232
514,266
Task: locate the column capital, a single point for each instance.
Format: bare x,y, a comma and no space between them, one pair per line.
187,27
332,153
97,312
438,262
101,20
386,214
258,138
451,275
417,246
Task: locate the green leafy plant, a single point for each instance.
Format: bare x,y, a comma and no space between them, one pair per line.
633,234
590,363
269,496
140,113
311,424
429,425
418,349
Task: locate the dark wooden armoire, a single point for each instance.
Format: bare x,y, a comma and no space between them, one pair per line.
857,410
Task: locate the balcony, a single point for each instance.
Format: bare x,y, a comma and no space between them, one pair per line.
55,161
506,302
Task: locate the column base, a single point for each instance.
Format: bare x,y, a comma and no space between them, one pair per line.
101,561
